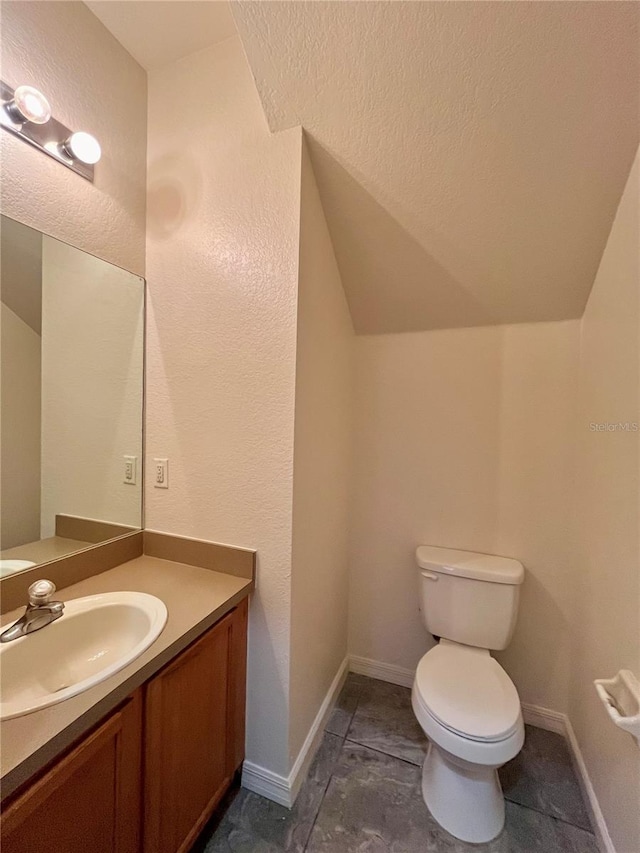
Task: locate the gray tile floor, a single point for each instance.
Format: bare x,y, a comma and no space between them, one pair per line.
362,794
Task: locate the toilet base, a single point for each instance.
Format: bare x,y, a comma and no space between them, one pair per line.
465,799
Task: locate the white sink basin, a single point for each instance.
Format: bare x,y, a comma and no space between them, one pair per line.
8,567
95,637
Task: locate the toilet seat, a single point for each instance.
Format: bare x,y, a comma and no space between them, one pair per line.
467,692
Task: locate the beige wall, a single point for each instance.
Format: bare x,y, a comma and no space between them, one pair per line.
19,430
21,307
222,250
92,84
322,468
461,441
92,362
21,271
607,618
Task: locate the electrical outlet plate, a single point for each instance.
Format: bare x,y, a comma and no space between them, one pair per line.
130,470
161,473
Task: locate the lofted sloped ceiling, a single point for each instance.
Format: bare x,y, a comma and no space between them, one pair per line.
470,155
157,32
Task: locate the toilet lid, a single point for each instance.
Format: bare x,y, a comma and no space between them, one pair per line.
468,692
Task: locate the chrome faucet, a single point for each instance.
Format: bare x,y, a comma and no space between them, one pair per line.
40,612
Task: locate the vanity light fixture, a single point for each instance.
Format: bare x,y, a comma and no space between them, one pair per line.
25,112
83,146
28,104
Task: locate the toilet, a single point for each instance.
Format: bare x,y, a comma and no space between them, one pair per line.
466,704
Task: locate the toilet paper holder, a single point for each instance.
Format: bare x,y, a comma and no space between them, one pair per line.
621,697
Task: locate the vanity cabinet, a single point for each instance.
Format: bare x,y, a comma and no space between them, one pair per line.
148,777
194,723
88,800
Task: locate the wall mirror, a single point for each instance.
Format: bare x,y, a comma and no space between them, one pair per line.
71,399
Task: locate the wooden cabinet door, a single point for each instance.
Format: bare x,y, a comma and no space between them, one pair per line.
188,718
90,800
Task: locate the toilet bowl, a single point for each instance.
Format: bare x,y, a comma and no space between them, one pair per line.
469,709
466,704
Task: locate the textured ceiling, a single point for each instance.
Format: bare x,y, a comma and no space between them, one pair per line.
470,156
157,32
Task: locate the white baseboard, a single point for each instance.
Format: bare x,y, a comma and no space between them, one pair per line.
544,718
284,789
267,784
595,812
313,738
383,671
555,721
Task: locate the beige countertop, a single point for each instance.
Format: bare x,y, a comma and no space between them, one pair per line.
195,598
43,550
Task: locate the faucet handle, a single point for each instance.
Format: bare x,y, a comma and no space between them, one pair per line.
41,592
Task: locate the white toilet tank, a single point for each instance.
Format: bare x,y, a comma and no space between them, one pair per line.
469,598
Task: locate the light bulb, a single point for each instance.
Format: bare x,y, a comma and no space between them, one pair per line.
84,147
29,104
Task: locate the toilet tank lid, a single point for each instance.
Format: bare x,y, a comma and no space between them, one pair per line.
468,564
